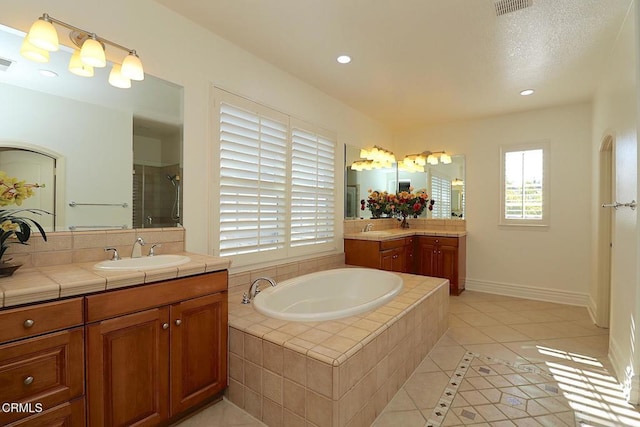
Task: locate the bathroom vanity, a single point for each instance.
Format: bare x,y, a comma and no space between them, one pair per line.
428,253
142,354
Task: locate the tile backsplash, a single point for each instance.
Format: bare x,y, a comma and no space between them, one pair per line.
68,247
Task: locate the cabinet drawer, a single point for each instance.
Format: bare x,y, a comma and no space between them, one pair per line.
390,244
48,370
41,318
69,414
125,301
445,241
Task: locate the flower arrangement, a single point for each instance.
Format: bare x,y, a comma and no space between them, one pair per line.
14,192
402,205
380,203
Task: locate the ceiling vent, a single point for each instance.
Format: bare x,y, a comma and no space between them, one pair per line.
507,6
5,64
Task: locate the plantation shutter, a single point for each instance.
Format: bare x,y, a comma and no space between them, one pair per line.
441,193
253,180
312,188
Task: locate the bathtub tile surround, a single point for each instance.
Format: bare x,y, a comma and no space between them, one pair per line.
335,373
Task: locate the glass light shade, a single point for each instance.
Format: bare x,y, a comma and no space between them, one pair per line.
432,160
364,153
77,67
92,53
33,53
132,67
421,161
42,34
116,78
445,158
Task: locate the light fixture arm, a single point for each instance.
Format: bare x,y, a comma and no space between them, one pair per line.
49,18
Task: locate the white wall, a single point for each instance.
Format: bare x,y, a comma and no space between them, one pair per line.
616,115
546,264
177,50
98,152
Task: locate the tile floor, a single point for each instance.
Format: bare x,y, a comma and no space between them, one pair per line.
504,362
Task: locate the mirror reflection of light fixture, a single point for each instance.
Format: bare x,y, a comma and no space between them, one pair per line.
42,38
116,78
33,53
77,67
374,158
457,182
426,157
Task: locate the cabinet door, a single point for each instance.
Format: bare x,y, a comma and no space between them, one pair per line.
198,350
449,264
386,259
128,369
428,258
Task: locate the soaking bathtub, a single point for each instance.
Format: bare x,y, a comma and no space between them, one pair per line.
328,295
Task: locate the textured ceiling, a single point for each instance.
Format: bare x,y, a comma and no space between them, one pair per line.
424,61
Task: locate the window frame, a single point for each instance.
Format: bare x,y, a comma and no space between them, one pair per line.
523,222
288,252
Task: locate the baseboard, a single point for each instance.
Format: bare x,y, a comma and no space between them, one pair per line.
630,382
592,308
529,292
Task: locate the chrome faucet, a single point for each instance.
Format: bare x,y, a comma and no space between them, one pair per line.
115,256
136,252
254,289
152,248
367,227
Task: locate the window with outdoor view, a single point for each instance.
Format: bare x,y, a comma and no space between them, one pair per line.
524,185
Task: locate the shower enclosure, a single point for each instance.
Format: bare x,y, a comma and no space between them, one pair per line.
157,200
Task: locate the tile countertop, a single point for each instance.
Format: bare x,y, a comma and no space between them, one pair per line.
30,285
380,235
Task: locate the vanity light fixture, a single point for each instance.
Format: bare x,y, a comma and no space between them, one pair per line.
343,59
47,73
42,38
527,92
457,182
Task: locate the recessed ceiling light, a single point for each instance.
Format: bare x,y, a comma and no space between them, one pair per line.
527,92
344,59
48,73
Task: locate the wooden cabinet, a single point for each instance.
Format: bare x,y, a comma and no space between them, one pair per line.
156,350
390,255
42,364
443,257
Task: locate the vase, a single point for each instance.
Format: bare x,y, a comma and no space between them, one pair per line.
405,223
8,268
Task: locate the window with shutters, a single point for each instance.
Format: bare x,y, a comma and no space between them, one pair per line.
277,183
524,185
441,193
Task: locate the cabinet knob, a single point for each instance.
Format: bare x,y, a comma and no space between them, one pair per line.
165,326
28,380
28,323
178,322
437,241
439,252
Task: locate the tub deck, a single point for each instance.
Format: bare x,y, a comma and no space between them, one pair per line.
333,373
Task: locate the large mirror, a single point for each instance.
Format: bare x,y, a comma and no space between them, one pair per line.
445,183
109,158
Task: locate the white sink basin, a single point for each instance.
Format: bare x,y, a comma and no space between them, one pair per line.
142,263
379,233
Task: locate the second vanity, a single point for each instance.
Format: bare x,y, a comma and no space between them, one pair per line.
436,253
146,348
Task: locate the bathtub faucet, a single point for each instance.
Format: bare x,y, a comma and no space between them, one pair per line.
254,289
